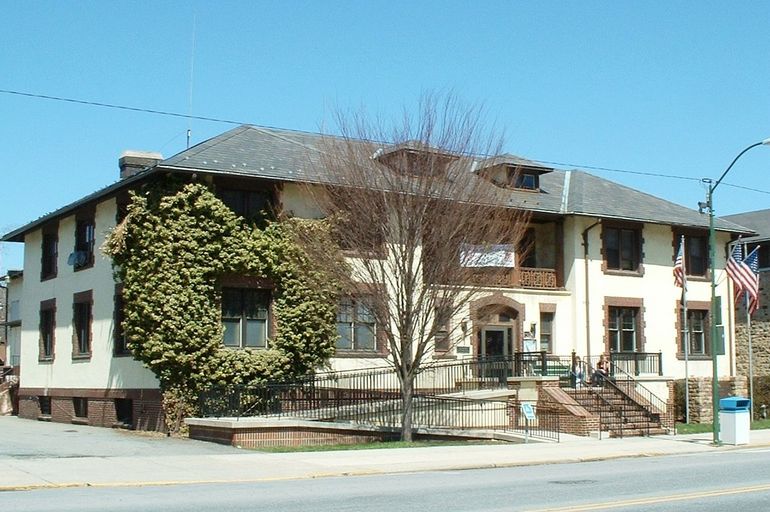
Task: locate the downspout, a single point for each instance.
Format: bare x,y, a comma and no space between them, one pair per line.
588,309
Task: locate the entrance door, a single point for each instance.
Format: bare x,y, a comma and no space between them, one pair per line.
495,347
494,342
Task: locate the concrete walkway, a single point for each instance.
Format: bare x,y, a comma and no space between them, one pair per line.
49,455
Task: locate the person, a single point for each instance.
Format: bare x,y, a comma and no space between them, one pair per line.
601,372
577,372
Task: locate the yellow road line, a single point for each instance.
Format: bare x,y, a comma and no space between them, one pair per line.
656,499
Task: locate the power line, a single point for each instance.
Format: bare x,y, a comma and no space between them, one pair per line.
230,121
121,107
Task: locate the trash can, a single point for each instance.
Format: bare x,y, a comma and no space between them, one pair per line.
734,420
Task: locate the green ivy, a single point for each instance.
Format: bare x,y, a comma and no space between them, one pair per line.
170,252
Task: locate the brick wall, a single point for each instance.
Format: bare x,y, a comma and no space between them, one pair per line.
288,436
573,418
147,412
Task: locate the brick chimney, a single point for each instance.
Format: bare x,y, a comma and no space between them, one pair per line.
132,162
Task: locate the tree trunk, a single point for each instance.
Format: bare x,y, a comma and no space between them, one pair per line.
407,394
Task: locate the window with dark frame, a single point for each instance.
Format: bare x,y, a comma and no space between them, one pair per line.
81,324
527,249
522,180
50,253
245,317
120,342
546,331
80,407
698,325
696,255
45,405
623,325
356,324
47,329
622,248
85,238
252,205
442,329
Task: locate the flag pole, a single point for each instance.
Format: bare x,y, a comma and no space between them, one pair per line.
751,350
686,338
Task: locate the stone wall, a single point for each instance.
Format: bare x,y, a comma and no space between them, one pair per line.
701,410
760,333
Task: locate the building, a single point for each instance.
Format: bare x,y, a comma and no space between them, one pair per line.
758,221
598,278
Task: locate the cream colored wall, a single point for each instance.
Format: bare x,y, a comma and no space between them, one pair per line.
295,199
656,288
102,370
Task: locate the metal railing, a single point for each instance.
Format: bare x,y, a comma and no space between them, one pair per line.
636,363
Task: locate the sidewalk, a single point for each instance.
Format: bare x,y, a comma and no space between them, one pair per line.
45,455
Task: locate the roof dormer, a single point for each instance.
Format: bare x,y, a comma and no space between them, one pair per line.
415,158
511,171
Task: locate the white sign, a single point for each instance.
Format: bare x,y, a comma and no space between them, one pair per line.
528,411
501,255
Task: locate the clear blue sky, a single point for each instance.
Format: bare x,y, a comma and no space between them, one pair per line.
676,88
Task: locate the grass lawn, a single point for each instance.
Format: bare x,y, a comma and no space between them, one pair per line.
370,446
698,428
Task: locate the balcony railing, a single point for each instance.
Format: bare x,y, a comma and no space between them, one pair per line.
524,277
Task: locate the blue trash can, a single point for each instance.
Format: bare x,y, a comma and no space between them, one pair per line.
734,420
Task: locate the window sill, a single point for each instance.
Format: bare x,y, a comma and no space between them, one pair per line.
444,355
47,278
699,279
45,359
352,354
693,357
624,273
84,267
81,357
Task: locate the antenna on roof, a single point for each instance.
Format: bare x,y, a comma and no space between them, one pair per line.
192,71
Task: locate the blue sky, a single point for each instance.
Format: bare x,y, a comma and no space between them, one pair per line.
674,88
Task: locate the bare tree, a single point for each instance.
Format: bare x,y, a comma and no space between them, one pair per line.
424,232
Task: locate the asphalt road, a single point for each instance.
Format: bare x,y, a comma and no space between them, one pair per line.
718,481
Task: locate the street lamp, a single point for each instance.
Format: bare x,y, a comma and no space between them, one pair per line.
712,257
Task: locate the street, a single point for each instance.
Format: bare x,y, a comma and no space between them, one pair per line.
715,481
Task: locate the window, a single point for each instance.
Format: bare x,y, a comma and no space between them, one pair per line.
47,329
50,252
356,324
45,405
85,238
622,248
698,325
252,205
124,411
80,406
527,249
441,336
623,329
696,255
523,180
546,332
120,342
245,314
81,323
764,256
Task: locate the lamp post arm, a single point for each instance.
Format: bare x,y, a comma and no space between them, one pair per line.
764,142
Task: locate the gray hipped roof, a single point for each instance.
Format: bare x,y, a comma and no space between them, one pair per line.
758,221
286,155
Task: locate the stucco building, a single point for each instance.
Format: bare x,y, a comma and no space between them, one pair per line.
597,280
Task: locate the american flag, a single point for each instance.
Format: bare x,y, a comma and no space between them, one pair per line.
745,276
679,272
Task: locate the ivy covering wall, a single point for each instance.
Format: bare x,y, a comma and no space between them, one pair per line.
172,251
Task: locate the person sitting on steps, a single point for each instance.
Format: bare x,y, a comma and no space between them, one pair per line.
601,372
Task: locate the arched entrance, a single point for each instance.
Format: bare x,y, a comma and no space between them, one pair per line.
497,333
497,326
